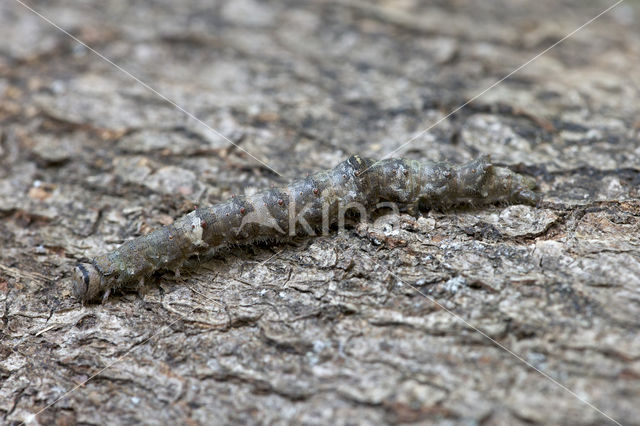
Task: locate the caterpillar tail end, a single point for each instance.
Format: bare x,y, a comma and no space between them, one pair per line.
87,282
525,193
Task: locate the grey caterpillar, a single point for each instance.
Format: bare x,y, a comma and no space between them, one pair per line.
301,208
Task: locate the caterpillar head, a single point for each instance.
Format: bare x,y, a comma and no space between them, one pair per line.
86,282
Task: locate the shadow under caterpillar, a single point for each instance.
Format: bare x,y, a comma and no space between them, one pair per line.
301,208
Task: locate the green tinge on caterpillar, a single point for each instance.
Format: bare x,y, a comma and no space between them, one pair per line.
302,208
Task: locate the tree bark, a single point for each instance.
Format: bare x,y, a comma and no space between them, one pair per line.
497,315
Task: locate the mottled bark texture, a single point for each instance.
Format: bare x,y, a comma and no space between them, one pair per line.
329,329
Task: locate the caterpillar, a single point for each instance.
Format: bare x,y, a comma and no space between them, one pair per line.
303,207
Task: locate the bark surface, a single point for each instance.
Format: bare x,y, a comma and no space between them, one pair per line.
375,324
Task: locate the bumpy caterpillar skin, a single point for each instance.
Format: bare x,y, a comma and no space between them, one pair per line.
302,207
